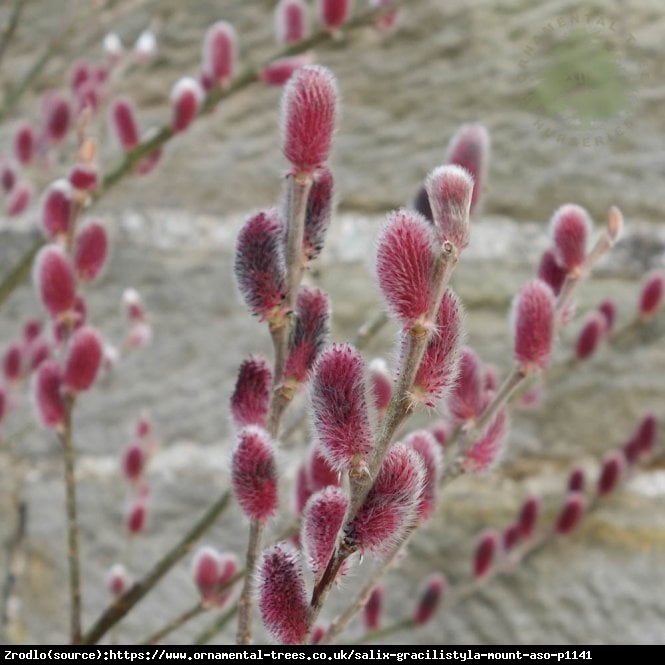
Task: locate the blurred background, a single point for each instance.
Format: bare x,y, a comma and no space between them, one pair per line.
572,95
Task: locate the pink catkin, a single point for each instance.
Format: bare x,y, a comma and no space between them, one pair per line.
24,143
334,13
212,571
90,251
12,362
279,71
429,599
608,309
219,53
322,519
123,123
466,398
485,453
84,177
8,176
54,279
48,397
291,21
117,580
57,117
310,334
259,263
381,384
309,111
83,359
133,462
186,97
318,212
590,335
250,400
570,228
319,472
372,609
56,208
339,406
136,516
651,294
283,602
254,473
610,473
449,189
391,505
469,148
533,325
405,264
485,552
551,272
571,513
576,480
426,446
19,199
439,366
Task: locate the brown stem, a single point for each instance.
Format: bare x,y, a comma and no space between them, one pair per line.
175,623
138,590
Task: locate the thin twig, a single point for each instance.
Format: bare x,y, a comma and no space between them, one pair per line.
175,623
218,624
11,26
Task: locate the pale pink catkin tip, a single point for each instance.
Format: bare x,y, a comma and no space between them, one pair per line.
54,278
322,519
449,189
186,97
405,260
485,552
291,21
533,325
283,601
469,148
429,599
250,400
334,13
90,251
117,580
254,473
372,609
48,397
219,52
83,359
123,123
309,112
339,406
570,227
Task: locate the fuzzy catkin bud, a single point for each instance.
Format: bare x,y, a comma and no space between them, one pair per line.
486,451
90,251
570,514
283,601
259,263
439,365
339,406
570,228
309,111
219,53
429,599
186,97
145,47
643,440
469,148
381,383
318,212
251,397
608,310
57,115
212,571
391,505
610,474
279,71
533,325
466,399
449,189
12,362
372,609
404,265
322,519
48,397
123,123
7,176
84,177
83,360
136,516
254,473
426,446
334,13
309,336
651,294
54,279
485,552
551,272
576,480
528,516
133,462
291,21
590,336
19,199
56,208
24,144
117,580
